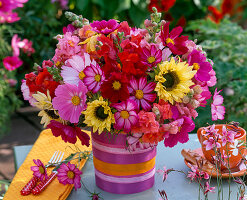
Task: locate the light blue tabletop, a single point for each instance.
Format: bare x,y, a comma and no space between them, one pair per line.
177,186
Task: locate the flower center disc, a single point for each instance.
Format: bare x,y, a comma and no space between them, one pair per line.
1,4
116,85
82,75
139,94
151,59
124,114
97,78
171,80
76,100
41,170
169,40
71,174
100,113
196,66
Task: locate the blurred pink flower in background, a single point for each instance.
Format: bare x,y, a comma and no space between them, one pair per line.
8,17
217,110
25,45
12,62
62,3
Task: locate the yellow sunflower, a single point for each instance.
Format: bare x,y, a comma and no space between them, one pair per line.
47,113
174,80
98,115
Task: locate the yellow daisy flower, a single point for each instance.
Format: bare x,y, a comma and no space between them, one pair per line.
43,101
98,115
174,80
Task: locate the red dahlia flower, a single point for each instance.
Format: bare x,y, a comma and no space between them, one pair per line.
115,88
176,44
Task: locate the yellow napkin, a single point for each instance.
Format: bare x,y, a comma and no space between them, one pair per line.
43,149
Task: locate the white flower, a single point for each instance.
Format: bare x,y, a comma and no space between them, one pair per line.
235,147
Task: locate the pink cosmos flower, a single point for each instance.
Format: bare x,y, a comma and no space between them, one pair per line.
211,143
217,110
39,170
213,79
25,45
125,116
140,92
66,48
181,136
12,62
199,63
105,27
70,101
151,57
68,133
176,44
69,174
9,17
72,72
147,123
7,5
207,188
94,77
26,93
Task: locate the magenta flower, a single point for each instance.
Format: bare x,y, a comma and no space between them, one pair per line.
151,57
217,110
140,92
7,5
68,133
73,70
12,62
105,27
227,136
125,116
182,135
207,188
69,174
94,77
211,143
69,28
70,101
39,170
176,44
199,63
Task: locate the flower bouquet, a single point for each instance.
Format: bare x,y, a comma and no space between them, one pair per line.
134,87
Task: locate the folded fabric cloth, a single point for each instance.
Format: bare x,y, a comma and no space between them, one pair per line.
43,149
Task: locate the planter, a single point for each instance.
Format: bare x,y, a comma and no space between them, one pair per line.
118,170
236,151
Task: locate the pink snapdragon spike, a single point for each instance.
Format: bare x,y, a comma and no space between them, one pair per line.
73,70
69,174
151,57
207,188
182,135
68,133
141,92
94,77
70,101
217,110
12,62
66,48
199,63
105,27
172,40
39,170
125,116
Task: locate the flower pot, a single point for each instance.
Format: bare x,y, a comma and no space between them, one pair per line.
118,170
236,150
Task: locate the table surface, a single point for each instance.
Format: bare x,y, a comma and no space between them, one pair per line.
177,186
